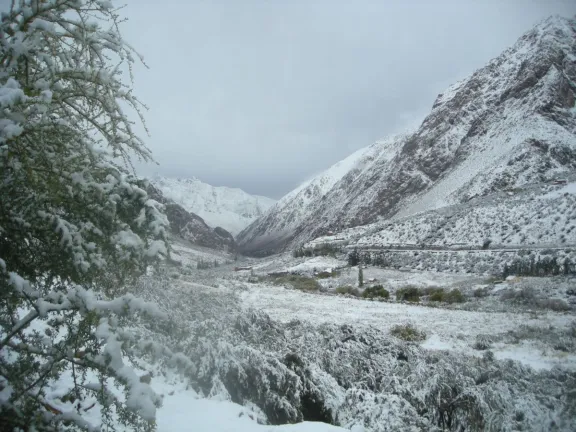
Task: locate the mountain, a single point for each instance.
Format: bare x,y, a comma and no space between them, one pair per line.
511,123
540,214
229,208
284,219
191,227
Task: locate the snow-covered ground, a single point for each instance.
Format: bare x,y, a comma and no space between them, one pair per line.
241,329
537,341
185,411
447,329
453,330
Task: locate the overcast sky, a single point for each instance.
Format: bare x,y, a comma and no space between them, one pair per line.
264,95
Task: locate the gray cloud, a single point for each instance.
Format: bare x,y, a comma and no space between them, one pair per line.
263,95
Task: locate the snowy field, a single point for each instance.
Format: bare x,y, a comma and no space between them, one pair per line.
185,411
531,338
261,354
446,329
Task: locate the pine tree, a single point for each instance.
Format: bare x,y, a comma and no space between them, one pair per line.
76,226
353,258
360,275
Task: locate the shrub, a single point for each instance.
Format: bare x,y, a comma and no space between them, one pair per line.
376,291
525,296
556,305
481,292
454,296
299,282
408,293
488,356
348,290
482,343
437,295
326,275
326,249
408,332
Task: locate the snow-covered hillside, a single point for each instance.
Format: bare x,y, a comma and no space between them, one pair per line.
542,215
510,123
229,208
282,220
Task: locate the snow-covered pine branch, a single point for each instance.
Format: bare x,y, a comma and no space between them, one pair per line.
76,226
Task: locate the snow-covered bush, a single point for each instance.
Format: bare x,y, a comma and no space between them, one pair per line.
347,289
299,282
408,332
408,293
350,375
75,227
376,291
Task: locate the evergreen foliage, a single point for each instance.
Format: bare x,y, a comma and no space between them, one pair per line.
408,293
541,266
353,258
376,291
76,227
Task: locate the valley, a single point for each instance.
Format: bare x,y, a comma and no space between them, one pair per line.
520,325
426,282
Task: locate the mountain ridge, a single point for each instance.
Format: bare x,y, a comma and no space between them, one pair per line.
507,124
190,227
219,206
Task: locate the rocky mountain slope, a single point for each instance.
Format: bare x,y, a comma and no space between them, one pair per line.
510,123
540,214
229,208
285,218
191,227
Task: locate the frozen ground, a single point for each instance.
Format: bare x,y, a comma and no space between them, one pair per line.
241,329
451,328
447,329
185,411
189,256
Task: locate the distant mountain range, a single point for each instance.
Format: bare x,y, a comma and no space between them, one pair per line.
190,227
228,208
510,124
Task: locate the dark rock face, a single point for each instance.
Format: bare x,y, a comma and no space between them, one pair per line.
510,123
192,227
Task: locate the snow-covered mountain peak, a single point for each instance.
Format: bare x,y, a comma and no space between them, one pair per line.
321,184
229,208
